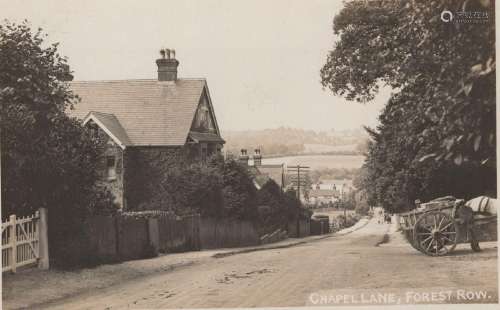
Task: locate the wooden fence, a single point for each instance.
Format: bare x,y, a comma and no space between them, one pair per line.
178,234
118,238
227,233
24,241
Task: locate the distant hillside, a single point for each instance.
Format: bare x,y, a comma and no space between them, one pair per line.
292,141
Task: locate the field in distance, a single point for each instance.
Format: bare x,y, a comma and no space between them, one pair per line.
319,161
325,148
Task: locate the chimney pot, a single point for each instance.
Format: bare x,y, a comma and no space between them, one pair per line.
243,159
167,67
257,158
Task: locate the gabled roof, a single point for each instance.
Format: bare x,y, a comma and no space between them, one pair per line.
275,172
110,124
265,173
150,112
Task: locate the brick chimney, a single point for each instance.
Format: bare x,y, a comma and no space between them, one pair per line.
243,159
167,66
257,158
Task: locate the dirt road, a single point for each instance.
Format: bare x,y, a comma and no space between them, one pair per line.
351,266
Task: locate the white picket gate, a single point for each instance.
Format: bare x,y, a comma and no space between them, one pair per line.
24,241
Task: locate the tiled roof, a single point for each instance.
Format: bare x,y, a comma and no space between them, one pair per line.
274,172
322,193
113,125
150,112
265,173
259,179
337,181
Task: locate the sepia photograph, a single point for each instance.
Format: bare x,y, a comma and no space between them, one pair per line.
202,154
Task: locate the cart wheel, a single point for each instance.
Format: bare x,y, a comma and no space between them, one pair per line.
475,246
435,233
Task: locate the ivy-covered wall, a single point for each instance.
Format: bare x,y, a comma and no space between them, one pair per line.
144,168
116,184
110,148
139,170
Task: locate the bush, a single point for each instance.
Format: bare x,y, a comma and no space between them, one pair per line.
217,189
239,192
48,159
273,209
191,189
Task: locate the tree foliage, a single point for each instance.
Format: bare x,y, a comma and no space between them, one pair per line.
217,189
225,189
277,208
48,159
437,132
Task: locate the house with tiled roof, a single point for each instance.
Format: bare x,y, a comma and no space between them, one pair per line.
319,195
263,173
343,186
148,125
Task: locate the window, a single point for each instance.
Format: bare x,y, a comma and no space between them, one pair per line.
203,151
94,130
110,168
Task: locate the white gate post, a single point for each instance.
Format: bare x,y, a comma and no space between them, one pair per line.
43,240
13,241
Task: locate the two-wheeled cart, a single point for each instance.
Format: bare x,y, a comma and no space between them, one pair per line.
436,227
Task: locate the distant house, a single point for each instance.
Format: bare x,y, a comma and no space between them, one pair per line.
263,173
148,125
318,196
343,186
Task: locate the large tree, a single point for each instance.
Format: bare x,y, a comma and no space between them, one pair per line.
437,132
48,159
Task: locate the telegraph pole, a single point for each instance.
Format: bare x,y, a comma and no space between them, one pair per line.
297,182
299,169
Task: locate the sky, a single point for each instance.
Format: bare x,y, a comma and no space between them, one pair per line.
261,58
